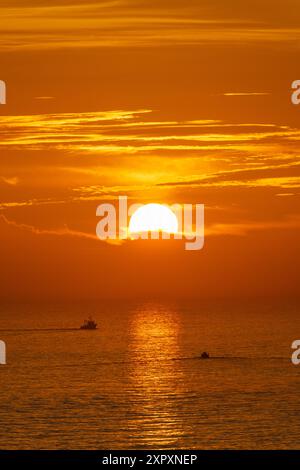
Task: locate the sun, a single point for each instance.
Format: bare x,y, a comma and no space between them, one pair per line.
155,218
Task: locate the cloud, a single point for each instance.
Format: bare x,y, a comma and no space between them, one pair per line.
141,24
131,131
214,229
64,231
93,154
241,93
243,229
12,181
44,98
276,175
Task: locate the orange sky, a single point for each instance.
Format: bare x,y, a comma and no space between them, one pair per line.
164,101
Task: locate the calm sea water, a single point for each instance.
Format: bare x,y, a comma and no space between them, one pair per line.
136,382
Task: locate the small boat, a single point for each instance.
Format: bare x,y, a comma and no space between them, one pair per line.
89,324
204,355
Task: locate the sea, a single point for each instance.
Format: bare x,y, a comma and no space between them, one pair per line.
138,382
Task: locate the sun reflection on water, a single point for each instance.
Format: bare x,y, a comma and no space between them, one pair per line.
155,376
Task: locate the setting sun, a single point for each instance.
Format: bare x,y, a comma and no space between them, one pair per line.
155,218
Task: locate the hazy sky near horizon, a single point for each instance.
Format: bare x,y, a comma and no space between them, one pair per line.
170,102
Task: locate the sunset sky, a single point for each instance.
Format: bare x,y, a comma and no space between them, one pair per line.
163,101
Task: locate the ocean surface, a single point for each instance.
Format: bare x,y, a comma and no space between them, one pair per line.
138,383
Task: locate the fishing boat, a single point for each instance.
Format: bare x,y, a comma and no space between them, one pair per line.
205,355
89,324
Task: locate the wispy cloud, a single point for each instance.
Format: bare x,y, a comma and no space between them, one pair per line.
12,181
272,175
129,131
243,229
63,231
143,23
44,98
95,144
245,93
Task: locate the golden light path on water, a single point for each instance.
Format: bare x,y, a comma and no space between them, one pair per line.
154,340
